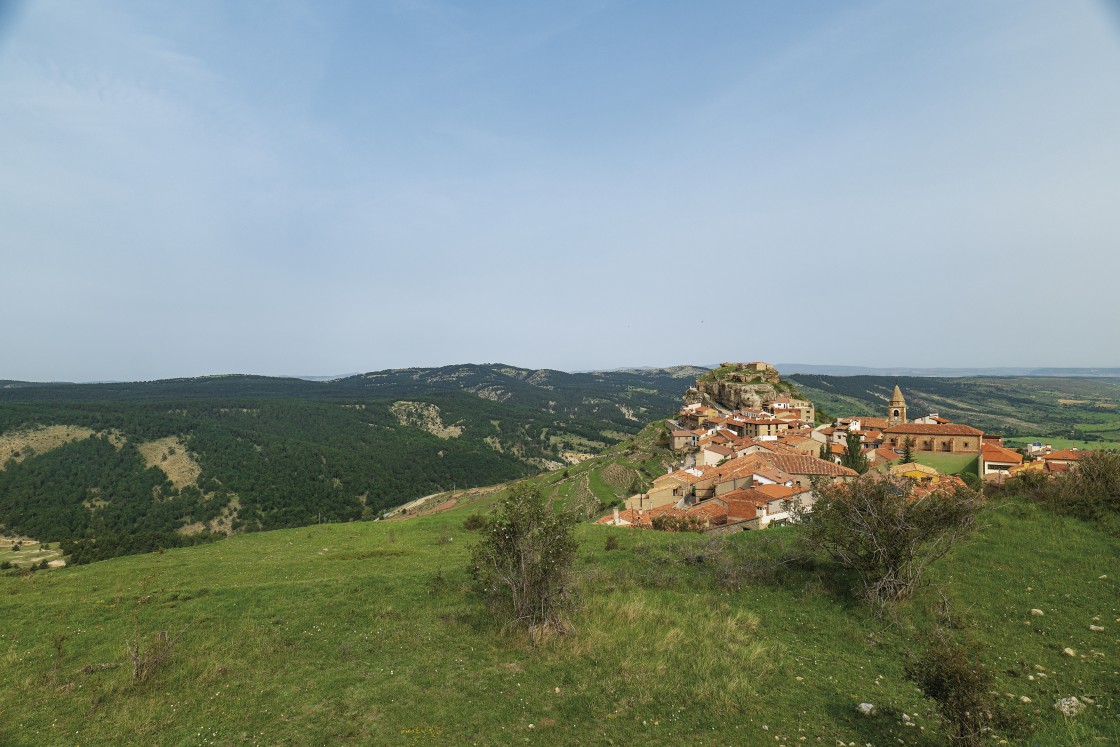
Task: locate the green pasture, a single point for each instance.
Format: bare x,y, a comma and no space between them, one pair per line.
370,633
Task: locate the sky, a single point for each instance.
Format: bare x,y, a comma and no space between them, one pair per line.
326,187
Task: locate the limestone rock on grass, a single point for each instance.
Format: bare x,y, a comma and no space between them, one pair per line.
1069,707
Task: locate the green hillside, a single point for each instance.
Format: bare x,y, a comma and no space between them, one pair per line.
1086,410
368,633
112,469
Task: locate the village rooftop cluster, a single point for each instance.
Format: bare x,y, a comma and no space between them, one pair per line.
750,468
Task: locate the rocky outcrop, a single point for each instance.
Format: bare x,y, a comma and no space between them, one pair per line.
733,387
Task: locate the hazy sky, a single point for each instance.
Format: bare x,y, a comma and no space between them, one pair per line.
320,187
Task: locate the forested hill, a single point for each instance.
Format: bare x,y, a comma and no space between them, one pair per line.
124,467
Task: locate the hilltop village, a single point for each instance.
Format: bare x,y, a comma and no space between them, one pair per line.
752,454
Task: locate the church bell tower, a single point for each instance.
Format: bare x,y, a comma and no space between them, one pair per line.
896,410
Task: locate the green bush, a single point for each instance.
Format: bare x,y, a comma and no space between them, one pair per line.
474,523
877,528
523,563
1090,491
952,674
668,523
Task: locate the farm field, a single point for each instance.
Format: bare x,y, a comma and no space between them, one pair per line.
30,552
1062,443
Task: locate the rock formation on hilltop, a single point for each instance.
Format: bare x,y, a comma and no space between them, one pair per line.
735,386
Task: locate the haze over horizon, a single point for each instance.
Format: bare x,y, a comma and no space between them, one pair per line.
292,187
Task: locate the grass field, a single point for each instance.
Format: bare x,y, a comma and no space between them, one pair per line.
368,633
948,464
1063,443
30,552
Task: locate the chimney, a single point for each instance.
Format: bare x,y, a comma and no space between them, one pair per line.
616,516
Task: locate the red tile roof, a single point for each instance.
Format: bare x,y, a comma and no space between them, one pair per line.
778,491
947,429
807,465
1067,455
990,452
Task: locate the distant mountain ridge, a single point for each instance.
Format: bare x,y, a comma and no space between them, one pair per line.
790,369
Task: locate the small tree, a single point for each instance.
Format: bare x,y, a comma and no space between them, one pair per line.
854,458
523,563
876,527
908,450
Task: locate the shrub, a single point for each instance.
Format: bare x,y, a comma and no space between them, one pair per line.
887,534
670,523
523,563
1089,491
148,653
611,543
474,523
953,675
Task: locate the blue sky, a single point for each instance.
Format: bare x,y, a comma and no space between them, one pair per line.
328,187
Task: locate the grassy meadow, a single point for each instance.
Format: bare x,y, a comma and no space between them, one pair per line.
369,633
1063,443
948,464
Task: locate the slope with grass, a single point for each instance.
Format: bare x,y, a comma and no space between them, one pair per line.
1025,407
368,633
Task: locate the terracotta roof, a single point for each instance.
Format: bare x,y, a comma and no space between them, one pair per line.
743,503
1037,466
990,452
807,465
748,465
793,439
721,450
710,510
776,447
1067,455
887,454
947,484
948,429
868,422
778,491
681,475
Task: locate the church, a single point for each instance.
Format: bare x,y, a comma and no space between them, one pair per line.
951,438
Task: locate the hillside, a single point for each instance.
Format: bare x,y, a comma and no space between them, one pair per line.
1078,409
367,633
117,468
589,487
